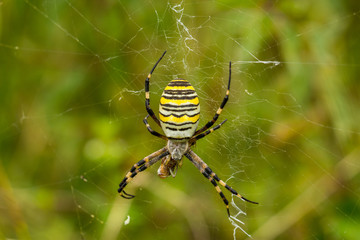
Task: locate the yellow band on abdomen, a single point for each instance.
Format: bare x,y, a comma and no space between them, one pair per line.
179,101
181,119
179,88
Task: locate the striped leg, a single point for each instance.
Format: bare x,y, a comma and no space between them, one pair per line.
152,131
218,112
201,165
147,92
194,139
140,166
209,174
222,183
211,179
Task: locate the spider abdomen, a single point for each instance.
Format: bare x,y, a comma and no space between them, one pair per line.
179,110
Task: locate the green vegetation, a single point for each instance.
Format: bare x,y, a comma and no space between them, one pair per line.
72,102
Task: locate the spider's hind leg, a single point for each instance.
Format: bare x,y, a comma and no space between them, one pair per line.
140,166
222,183
212,177
127,195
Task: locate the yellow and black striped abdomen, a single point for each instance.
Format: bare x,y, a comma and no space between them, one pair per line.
179,110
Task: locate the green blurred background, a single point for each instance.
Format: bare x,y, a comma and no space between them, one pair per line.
72,103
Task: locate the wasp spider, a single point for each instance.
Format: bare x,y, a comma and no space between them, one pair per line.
179,115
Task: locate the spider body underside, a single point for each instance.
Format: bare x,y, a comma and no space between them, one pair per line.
179,114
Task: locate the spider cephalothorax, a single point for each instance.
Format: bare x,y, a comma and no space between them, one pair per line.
170,164
179,114
177,149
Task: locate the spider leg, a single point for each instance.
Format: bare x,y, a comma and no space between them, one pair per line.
222,183
152,131
195,138
127,195
218,112
140,166
147,92
201,166
212,177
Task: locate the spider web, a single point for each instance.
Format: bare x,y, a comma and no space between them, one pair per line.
73,96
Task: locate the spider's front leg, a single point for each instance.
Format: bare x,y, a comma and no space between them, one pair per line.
140,166
147,92
218,112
